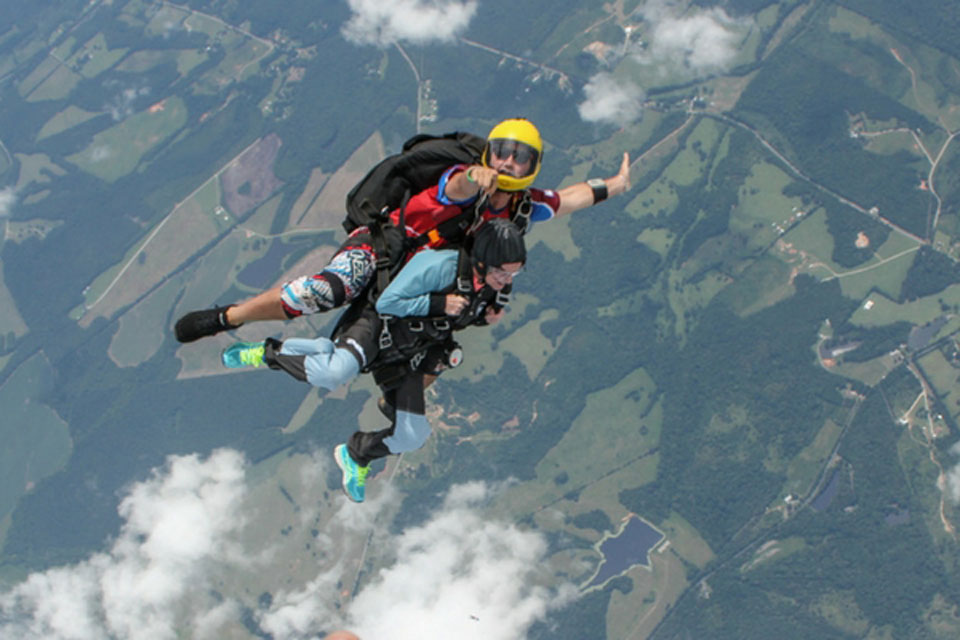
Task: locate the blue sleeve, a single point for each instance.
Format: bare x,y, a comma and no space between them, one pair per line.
409,293
541,212
442,187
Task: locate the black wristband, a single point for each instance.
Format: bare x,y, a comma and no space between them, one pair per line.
438,304
599,187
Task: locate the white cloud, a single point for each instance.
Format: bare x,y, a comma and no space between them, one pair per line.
100,153
699,42
187,562
610,100
460,575
415,21
8,198
176,522
953,477
123,103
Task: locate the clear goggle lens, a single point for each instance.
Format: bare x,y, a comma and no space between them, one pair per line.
503,274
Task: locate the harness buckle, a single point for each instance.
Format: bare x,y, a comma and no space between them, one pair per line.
521,217
386,340
441,325
415,326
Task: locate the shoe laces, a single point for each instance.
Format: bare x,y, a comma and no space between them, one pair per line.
252,356
362,475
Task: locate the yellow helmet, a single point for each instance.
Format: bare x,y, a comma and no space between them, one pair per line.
515,137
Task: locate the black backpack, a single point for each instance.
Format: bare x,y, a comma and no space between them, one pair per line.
396,178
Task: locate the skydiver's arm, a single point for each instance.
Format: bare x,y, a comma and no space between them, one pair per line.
467,184
580,195
413,291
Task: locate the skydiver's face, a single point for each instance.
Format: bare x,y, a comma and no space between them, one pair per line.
499,277
511,157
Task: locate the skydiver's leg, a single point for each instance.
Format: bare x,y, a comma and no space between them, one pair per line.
431,366
341,281
264,306
316,361
345,278
409,431
322,362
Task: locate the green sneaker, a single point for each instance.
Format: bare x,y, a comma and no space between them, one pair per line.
354,476
243,354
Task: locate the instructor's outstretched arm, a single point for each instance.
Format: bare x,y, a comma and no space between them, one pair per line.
583,194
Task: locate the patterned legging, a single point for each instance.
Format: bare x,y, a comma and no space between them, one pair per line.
341,281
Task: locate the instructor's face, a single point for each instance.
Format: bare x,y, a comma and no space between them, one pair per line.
509,165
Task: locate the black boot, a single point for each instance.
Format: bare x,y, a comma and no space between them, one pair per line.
200,324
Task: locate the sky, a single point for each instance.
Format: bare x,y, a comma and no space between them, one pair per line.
186,536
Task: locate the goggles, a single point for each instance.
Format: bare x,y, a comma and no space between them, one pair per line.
503,274
522,153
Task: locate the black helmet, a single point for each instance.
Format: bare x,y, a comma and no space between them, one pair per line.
497,242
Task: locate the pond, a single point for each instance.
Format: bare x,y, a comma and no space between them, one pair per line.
630,547
825,497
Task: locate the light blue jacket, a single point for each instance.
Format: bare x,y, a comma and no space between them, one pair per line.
427,272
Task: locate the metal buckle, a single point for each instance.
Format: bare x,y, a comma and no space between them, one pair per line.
415,326
386,340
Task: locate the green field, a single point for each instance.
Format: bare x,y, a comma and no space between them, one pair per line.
886,277
884,311
143,328
12,325
763,210
811,244
692,161
661,196
95,57
944,377
116,151
35,168
57,85
69,117
37,76
36,440
764,282
804,469
610,428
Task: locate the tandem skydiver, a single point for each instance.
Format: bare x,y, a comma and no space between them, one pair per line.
406,336
499,186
